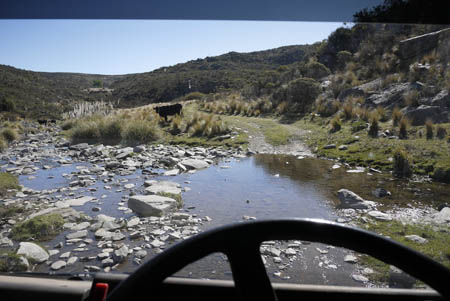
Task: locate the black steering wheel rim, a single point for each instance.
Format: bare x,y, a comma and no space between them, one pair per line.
241,241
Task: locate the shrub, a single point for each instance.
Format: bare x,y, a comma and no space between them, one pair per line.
301,92
282,108
41,227
343,58
194,95
441,172
397,115
68,124
363,114
316,70
327,108
373,129
111,129
6,105
140,132
85,131
401,164
335,124
441,132
9,134
403,131
429,128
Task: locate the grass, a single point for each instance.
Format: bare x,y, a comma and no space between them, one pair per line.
11,262
276,135
9,134
8,181
437,246
6,212
425,155
176,197
40,228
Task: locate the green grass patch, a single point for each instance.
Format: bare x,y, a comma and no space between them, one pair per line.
9,211
11,262
43,227
437,246
176,197
8,181
276,135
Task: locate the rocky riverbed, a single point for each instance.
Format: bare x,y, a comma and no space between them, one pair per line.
122,205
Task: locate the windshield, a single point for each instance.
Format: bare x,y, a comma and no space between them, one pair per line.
121,138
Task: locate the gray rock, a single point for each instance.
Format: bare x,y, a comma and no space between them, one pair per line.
180,216
151,205
329,146
350,199
419,115
78,234
172,172
163,187
350,259
380,215
121,254
79,201
107,262
360,278
6,242
58,265
442,217
72,260
65,255
141,254
417,239
80,226
194,164
33,251
118,236
103,234
132,222
380,192
79,147
442,99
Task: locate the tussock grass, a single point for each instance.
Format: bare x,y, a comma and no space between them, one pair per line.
397,115
8,181
43,227
3,144
429,129
335,124
139,132
9,134
441,132
403,128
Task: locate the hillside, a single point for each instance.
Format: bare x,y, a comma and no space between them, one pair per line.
40,93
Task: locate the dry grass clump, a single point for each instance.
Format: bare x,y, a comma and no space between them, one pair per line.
335,124
382,113
373,129
85,109
206,125
175,127
441,132
397,115
9,134
347,111
403,130
139,132
429,129
3,144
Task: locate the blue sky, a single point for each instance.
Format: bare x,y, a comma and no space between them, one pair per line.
133,46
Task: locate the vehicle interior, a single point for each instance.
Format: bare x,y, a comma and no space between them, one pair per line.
240,242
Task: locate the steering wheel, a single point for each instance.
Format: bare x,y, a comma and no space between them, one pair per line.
241,243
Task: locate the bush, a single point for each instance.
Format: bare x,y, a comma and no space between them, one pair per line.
403,131
316,70
343,58
441,172
327,108
397,115
302,92
6,105
441,132
401,164
194,95
175,125
111,129
85,131
429,128
9,134
40,228
68,124
140,132
335,124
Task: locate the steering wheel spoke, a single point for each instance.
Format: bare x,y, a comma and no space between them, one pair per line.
249,273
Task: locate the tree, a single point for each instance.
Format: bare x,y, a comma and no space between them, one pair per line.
97,83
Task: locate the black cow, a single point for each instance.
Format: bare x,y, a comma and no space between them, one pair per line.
165,111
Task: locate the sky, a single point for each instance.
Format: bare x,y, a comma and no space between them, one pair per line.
134,46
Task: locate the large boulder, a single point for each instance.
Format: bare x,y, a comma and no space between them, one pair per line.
194,164
33,251
442,99
391,96
164,187
349,199
419,115
151,205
